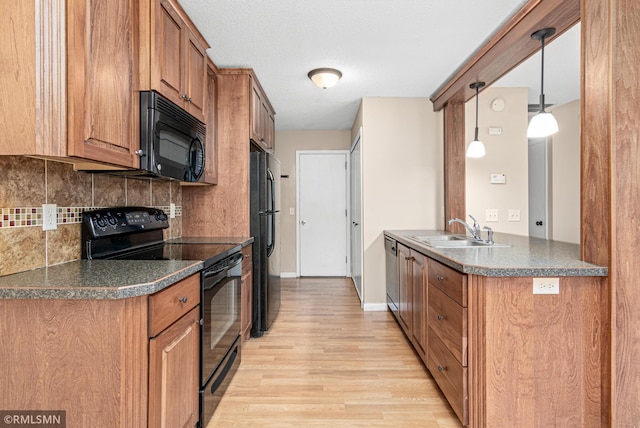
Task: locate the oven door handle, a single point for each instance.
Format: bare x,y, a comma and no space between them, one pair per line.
225,371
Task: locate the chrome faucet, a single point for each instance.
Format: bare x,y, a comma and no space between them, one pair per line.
474,230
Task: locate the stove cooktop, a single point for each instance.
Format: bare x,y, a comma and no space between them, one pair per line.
136,233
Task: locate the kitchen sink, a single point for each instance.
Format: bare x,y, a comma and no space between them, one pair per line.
424,238
454,241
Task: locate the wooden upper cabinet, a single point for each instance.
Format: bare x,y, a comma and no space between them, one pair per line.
102,106
262,118
178,64
211,115
78,106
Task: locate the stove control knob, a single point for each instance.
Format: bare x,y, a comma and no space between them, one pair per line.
161,217
101,222
112,221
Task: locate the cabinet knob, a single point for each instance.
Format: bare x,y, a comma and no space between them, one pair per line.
441,317
183,299
442,368
440,278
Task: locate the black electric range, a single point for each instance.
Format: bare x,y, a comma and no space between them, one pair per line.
136,233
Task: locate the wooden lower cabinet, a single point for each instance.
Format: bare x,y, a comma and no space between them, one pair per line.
95,359
173,374
447,335
412,299
504,356
246,293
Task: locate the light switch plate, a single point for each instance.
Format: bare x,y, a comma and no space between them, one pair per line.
49,216
546,285
495,130
172,210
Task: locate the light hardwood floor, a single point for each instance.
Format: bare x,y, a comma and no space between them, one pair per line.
326,363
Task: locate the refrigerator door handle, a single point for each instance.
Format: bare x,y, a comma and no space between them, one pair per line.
271,207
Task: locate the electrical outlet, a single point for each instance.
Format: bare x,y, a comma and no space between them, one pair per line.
513,215
49,216
292,211
491,215
172,210
546,285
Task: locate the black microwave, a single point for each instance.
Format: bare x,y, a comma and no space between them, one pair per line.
172,142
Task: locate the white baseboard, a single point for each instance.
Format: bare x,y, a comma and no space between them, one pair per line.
375,307
288,274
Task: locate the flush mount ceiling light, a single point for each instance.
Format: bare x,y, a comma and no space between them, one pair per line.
543,123
325,77
476,147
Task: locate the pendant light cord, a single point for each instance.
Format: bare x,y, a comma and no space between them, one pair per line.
542,77
476,138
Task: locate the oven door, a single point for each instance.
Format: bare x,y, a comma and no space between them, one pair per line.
220,306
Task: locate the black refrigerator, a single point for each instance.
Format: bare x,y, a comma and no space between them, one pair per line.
265,229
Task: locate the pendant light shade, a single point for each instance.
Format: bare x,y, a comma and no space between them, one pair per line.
543,123
476,147
325,77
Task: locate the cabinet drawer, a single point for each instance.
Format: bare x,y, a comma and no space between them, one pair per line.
450,281
168,305
450,376
449,322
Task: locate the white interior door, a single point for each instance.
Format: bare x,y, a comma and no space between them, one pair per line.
538,188
356,214
322,213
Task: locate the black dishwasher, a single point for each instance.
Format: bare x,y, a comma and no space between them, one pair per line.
391,265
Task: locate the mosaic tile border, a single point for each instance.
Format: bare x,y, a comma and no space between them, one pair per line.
32,216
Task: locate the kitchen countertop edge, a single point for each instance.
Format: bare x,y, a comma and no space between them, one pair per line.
519,260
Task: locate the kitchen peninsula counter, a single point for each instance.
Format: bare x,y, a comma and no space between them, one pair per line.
525,257
513,336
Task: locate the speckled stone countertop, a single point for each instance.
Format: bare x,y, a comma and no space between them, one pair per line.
97,279
107,279
526,256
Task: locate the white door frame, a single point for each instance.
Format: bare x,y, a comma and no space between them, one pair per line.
347,218
356,140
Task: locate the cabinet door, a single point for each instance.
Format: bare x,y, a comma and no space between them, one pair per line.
102,107
167,52
195,77
405,295
174,373
419,282
256,115
246,293
211,152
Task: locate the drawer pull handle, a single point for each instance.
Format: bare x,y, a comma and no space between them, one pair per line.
442,317
440,278
411,258
442,368
183,299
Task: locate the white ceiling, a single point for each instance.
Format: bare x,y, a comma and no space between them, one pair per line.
384,48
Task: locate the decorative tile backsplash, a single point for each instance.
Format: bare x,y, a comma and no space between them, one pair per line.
32,216
28,183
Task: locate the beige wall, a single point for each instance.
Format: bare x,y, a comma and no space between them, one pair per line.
506,153
565,174
287,143
28,183
402,179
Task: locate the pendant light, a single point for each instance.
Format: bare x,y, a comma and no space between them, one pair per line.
476,147
543,123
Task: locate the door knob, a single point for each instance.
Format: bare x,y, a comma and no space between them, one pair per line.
303,222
